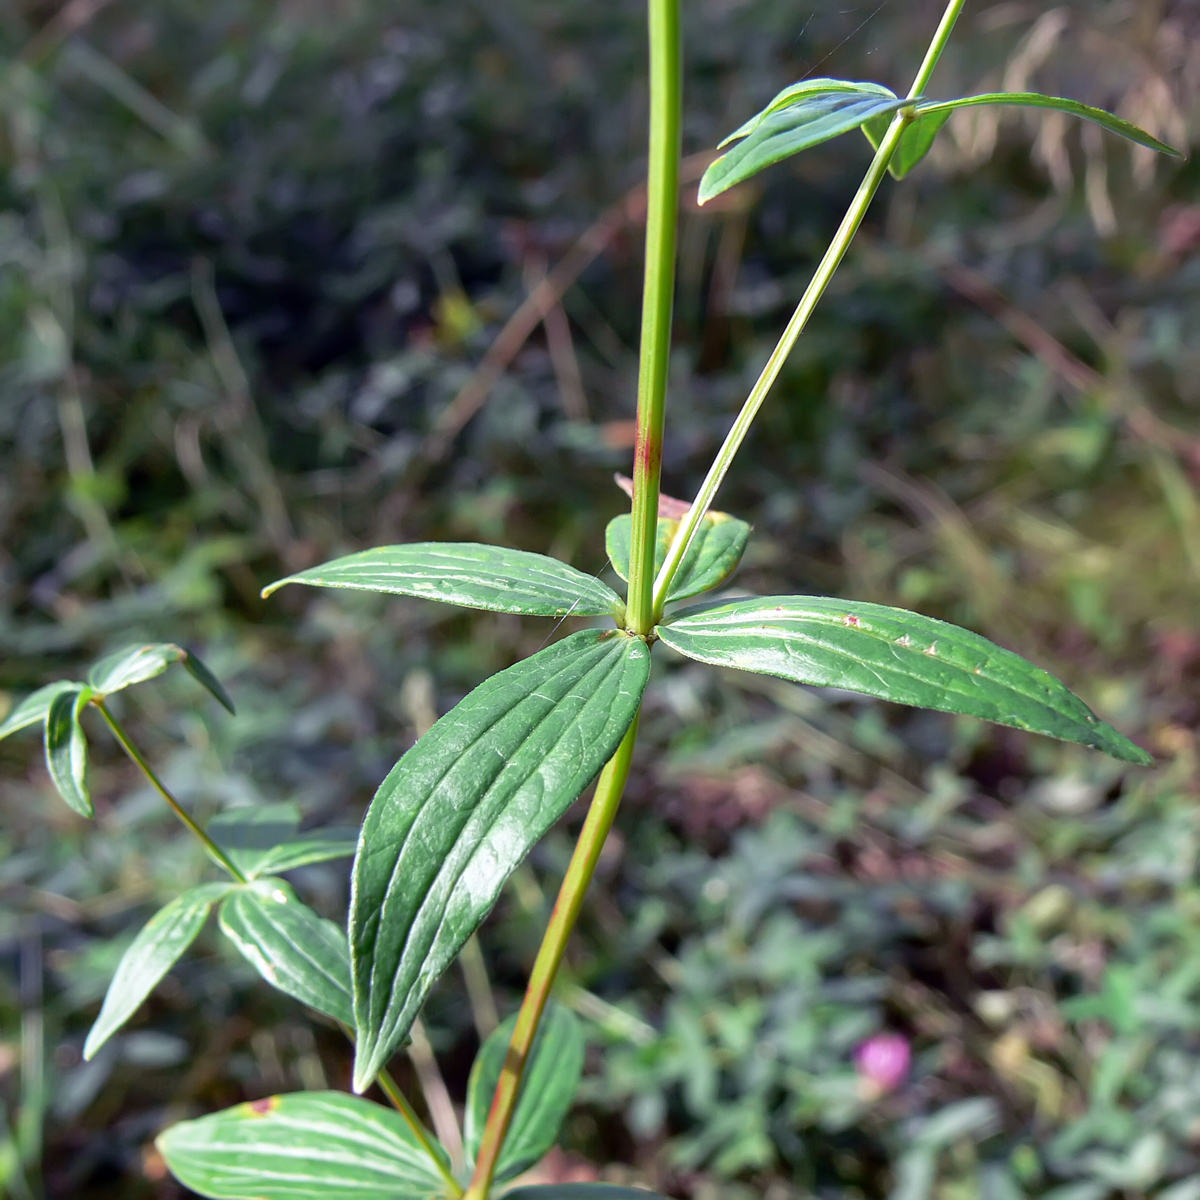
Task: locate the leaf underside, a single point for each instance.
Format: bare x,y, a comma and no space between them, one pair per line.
290,946
306,1146
931,115
476,576
894,655
155,950
800,117
716,549
463,807
134,664
547,1090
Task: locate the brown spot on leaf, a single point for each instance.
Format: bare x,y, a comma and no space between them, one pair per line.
851,620
260,1108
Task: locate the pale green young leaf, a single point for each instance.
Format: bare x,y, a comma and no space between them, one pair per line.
33,709
551,1080
463,807
476,576
206,679
290,946
801,116
159,945
66,748
134,664
263,839
931,115
717,548
891,654
306,1146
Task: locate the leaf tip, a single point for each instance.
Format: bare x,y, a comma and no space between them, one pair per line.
272,588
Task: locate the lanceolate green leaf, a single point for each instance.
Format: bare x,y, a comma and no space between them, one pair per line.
306,1146
263,840
150,956
291,947
476,576
712,557
135,664
206,679
931,115
801,116
33,709
66,749
464,806
551,1080
892,654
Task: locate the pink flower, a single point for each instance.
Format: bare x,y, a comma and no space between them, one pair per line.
883,1061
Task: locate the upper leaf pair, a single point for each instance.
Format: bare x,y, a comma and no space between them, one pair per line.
817,110
57,707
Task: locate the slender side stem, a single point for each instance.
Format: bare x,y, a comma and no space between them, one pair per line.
658,295
599,821
808,302
214,851
400,1103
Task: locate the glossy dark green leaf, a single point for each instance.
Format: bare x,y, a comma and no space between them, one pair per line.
547,1091
66,748
151,954
803,115
463,807
306,1146
892,654
931,115
290,946
713,556
263,839
33,709
476,576
580,1191
134,664
206,679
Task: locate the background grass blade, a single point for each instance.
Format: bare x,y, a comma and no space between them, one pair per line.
290,946
893,654
471,574
154,951
464,806
306,1146
547,1091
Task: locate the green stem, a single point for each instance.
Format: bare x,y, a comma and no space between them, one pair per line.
808,302
658,295
214,851
400,1103
599,821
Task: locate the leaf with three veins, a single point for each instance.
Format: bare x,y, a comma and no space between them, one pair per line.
801,116
263,839
155,950
891,654
716,549
134,664
66,748
290,946
306,1146
931,115
489,577
33,709
551,1080
464,806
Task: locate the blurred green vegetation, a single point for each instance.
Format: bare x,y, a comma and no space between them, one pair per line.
249,253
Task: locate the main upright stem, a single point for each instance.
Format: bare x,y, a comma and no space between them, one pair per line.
658,295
